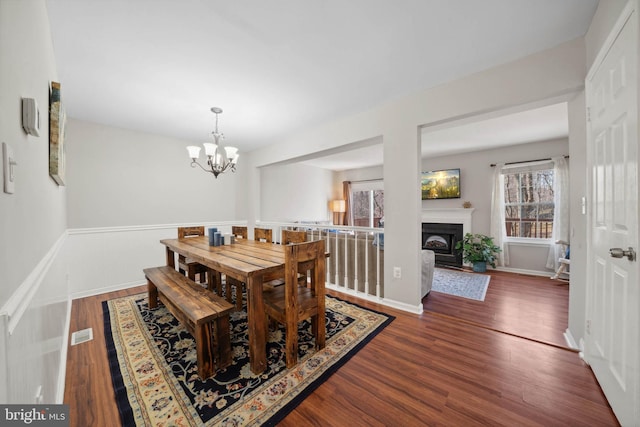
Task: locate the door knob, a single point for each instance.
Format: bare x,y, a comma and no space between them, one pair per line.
619,253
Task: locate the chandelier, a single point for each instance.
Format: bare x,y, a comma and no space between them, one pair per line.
219,159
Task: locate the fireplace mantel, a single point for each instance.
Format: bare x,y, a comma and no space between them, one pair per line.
450,215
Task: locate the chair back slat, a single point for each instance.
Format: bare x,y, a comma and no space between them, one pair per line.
292,236
239,231
190,232
262,234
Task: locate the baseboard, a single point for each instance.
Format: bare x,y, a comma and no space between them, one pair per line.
106,289
372,298
571,342
523,271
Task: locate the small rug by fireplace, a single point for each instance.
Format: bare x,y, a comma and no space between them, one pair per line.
153,366
461,284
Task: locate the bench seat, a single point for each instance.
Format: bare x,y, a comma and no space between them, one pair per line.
204,314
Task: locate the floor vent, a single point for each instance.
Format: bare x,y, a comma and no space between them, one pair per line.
84,335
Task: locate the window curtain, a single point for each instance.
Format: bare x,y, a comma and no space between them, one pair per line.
498,227
561,211
346,195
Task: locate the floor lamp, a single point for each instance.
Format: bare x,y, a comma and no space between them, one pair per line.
338,207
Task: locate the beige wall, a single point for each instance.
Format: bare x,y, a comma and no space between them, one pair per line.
295,193
476,186
119,177
33,285
552,74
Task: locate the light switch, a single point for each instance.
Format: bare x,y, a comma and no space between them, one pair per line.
8,168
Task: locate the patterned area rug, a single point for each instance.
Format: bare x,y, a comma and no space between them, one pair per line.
461,284
153,366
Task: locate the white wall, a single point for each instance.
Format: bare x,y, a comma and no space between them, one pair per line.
119,177
476,179
126,191
33,288
550,74
295,193
578,232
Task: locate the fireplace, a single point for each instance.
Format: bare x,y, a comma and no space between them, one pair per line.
441,238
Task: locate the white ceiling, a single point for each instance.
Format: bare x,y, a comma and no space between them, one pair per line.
540,124
278,66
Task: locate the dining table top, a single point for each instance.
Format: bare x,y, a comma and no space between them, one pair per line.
241,259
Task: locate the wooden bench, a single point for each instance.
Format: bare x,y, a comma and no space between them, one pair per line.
203,313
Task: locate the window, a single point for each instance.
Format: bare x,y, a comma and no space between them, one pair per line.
367,203
529,205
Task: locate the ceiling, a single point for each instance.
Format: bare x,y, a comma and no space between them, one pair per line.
280,66
539,124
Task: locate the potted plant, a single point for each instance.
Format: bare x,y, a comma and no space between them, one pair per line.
478,250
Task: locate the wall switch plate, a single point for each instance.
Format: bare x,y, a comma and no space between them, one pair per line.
8,169
397,273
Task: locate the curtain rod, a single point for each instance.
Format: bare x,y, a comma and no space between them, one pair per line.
367,180
493,165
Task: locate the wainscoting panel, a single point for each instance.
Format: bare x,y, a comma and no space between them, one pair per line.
34,324
111,258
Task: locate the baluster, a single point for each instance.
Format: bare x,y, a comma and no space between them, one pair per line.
346,261
378,269
355,271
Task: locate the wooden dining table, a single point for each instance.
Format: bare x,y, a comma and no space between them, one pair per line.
247,261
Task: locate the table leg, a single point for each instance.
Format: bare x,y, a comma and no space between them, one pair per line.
256,320
171,259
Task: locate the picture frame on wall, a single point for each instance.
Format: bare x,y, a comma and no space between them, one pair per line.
57,121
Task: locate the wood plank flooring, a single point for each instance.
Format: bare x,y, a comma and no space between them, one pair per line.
427,369
528,306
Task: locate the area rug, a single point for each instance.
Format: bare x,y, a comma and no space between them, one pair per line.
467,285
153,366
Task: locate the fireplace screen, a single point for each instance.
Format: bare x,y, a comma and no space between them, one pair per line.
436,242
442,239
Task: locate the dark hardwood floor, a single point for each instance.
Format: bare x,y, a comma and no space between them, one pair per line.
532,307
427,369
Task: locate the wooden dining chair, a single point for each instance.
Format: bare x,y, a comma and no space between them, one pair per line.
239,232
291,304
259,234
289,237
188,266
263,234
292,236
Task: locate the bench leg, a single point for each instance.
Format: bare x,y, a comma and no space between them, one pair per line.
153,294
204,345
223,342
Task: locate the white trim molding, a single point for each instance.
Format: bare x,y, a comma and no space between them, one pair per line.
96,230
18,302
450,216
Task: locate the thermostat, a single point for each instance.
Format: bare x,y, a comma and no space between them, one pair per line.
30,116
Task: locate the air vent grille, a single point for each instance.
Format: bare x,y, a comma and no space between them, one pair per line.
84,335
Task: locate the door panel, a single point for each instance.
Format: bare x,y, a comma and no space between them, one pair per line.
612,341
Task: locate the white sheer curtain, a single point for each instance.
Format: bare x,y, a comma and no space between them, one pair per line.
498,227
561,210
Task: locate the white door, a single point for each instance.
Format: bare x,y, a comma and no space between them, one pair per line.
613,298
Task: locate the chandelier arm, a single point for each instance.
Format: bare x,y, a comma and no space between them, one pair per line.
194,163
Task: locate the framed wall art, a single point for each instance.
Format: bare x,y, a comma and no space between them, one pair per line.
57,119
